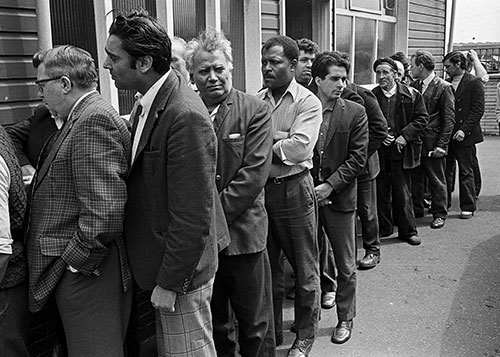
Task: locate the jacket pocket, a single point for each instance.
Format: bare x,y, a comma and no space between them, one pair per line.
52,247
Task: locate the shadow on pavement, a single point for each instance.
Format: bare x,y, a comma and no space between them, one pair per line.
473,326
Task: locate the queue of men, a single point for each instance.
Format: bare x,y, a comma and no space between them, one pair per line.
202,197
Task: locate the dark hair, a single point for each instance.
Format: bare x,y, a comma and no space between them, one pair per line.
425,58
456,57
401,57
70,61
387,60
290,48
307,45
325,60
142,35
345,56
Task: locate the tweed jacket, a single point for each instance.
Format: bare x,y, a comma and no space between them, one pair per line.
469,108
440,104
78,199
173,218
28,147
411,119
244,152
344,154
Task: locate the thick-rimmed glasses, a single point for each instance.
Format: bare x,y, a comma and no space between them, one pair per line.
40,83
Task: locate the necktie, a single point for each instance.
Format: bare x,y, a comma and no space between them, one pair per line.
135,119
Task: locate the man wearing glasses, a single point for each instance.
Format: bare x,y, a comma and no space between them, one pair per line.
74,240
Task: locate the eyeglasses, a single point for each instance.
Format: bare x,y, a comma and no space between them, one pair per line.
40,82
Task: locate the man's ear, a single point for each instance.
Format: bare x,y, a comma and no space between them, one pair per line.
317,80
293,64
66,83
144,63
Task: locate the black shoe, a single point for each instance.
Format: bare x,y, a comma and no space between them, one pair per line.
437,223
413,240
342,333
369,261
301,348
328,300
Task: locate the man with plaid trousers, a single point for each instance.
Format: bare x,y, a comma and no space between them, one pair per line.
74,239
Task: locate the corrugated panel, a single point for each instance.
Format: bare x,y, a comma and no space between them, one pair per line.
233,27
18,43
488,122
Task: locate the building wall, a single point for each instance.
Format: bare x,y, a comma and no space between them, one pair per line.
18,43
427,28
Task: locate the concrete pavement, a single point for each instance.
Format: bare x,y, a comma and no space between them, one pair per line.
441,298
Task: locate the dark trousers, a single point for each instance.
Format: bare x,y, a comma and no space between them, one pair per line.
434,170
14,321
242,291
340,230
367,213
477,172
466,189
326,265
291,207
394,197
95,310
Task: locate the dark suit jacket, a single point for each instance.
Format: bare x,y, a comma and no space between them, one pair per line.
243,165
440,104
411,118
30,134
377,130
78,199
469,108
344,154
171,218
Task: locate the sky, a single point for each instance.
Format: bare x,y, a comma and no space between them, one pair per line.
477,21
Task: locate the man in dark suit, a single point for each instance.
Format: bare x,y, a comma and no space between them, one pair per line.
30,135
404,109
171,219
440,104
469,108
339,156
74,239
243,127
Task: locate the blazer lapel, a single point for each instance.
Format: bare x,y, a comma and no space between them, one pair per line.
337,115
430,90
462,85
223,112
157,107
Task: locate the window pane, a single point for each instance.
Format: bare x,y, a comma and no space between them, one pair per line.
189,18
232,26
386,39
369,5
342,4
364,48
343,34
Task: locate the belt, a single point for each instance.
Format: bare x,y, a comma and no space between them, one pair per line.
280,180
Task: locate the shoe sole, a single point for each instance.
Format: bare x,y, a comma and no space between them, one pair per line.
328,307
337,342
366,267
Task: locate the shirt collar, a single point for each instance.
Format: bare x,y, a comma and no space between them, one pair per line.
429,79
147,99
293,89
390,92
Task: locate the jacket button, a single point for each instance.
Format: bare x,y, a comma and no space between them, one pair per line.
218,177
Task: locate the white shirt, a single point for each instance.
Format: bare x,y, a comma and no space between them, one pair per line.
5,236
389,93
146,101
427,81
456,81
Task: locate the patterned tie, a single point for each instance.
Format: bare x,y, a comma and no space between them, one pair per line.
135,118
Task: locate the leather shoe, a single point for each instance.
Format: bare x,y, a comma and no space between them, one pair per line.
437,223
369,261
466,214
413,240
328,300
301,348
342,333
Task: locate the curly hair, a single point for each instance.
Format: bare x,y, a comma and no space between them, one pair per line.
209,41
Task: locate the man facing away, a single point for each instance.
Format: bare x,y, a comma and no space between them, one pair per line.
440,104
290,198
243,127
339,157
14,315
469,108
74,239
406,117
170,217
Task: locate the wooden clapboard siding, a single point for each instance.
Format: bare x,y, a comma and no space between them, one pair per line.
18,43
427,28
488,122
270,12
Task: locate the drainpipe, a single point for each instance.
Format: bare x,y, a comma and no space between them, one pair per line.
452,25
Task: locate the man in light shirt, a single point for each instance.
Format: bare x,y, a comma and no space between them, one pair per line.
290,198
